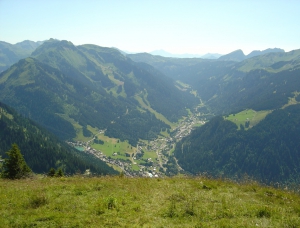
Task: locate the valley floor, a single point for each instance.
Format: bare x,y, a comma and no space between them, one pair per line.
137,163
144,202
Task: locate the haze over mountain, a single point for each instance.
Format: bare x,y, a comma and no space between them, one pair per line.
75,91
11,53
167,54
239,55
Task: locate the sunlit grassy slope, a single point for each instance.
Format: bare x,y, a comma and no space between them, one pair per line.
144,202
272,62
250,115
142,98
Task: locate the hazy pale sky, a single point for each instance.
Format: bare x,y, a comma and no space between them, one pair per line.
187,26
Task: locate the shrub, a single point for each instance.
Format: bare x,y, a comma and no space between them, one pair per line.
51,172
36,201
111,203
59,173
263,212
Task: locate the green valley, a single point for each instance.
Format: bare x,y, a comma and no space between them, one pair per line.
149,114
154,116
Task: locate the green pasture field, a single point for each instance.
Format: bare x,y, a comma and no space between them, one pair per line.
250,115
112,145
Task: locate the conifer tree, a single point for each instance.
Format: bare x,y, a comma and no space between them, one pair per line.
59,173
51,172
14,166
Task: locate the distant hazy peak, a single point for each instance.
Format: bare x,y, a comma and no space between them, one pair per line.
211,56
237,55
164,53
269,50
29,45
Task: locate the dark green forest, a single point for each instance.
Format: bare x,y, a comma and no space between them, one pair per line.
42,150
268,152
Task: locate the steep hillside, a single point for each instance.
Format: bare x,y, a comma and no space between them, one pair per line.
258,90
141,80
262,82
68,89
66,106
267,152
41,149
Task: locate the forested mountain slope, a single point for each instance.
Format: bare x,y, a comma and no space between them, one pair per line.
57,102
67,89
261,82
41,149
258,90
268,152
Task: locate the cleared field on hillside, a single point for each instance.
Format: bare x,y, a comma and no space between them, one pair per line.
250,115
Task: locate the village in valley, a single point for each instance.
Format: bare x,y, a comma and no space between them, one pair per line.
148,158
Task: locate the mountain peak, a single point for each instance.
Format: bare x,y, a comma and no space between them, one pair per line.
237,55
29,45
269,50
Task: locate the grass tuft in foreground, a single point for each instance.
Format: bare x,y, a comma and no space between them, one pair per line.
144,202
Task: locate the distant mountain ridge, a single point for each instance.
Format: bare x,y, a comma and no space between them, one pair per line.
167,54
29,45
164,53
239,55
11,53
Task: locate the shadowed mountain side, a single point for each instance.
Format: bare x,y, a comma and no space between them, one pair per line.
268,152
41,149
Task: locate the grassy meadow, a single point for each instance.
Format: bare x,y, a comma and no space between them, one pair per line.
250,115
144,202
112,145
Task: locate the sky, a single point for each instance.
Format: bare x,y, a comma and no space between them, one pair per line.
178,27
